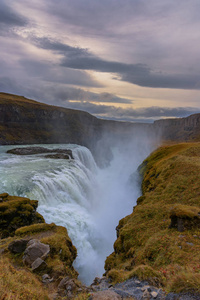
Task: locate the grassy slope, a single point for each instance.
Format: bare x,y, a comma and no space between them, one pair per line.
146,247
18,281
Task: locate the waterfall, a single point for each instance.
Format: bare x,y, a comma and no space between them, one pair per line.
77,194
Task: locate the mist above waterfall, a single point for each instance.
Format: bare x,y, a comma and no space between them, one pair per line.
88,200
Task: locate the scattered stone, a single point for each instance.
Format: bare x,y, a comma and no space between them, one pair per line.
38,265
46,279
190,244
137,281
34,250
18,246
154,294
68,287
195,236
63,283
101,283
146,295
131,288
146,288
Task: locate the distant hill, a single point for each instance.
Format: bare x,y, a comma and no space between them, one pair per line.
25,121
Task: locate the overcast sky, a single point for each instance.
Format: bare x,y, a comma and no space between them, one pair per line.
136,60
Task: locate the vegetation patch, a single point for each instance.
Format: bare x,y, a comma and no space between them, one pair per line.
19,284
149,245
35,228
16,212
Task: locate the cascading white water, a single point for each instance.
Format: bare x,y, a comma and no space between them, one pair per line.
87,200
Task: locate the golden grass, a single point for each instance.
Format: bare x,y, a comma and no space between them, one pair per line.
33,229
19,284
170,186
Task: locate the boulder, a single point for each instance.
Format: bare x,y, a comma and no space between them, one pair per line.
34,250
46,279
38,265
18,246
185,217
68,287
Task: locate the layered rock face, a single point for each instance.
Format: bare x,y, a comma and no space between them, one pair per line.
25,121
179,130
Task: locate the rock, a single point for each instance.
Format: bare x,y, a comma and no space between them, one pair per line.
184,217
105,295
189,244
101,283
38,265
34,250
46,279
137,281
18,246
146,288
61,153
146,295
154,294
67,287
58,156
63,283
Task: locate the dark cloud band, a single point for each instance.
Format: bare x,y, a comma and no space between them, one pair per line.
139,74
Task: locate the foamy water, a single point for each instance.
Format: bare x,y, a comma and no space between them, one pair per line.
87,200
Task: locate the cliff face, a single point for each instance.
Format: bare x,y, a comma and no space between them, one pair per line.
25,121
183,129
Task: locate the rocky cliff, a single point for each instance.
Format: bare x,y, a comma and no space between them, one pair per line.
25,121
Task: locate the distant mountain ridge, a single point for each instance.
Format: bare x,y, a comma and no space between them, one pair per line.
26,121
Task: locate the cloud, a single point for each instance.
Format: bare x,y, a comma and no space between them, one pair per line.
56,94
146,114
140,74
52,72
68,94
9,18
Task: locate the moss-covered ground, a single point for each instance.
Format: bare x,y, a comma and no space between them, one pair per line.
147,246
18,281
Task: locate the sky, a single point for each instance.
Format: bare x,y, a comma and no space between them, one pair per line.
128,60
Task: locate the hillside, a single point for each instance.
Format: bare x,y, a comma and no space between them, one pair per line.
25,121
160,240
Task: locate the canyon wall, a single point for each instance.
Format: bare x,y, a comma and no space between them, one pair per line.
25,121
